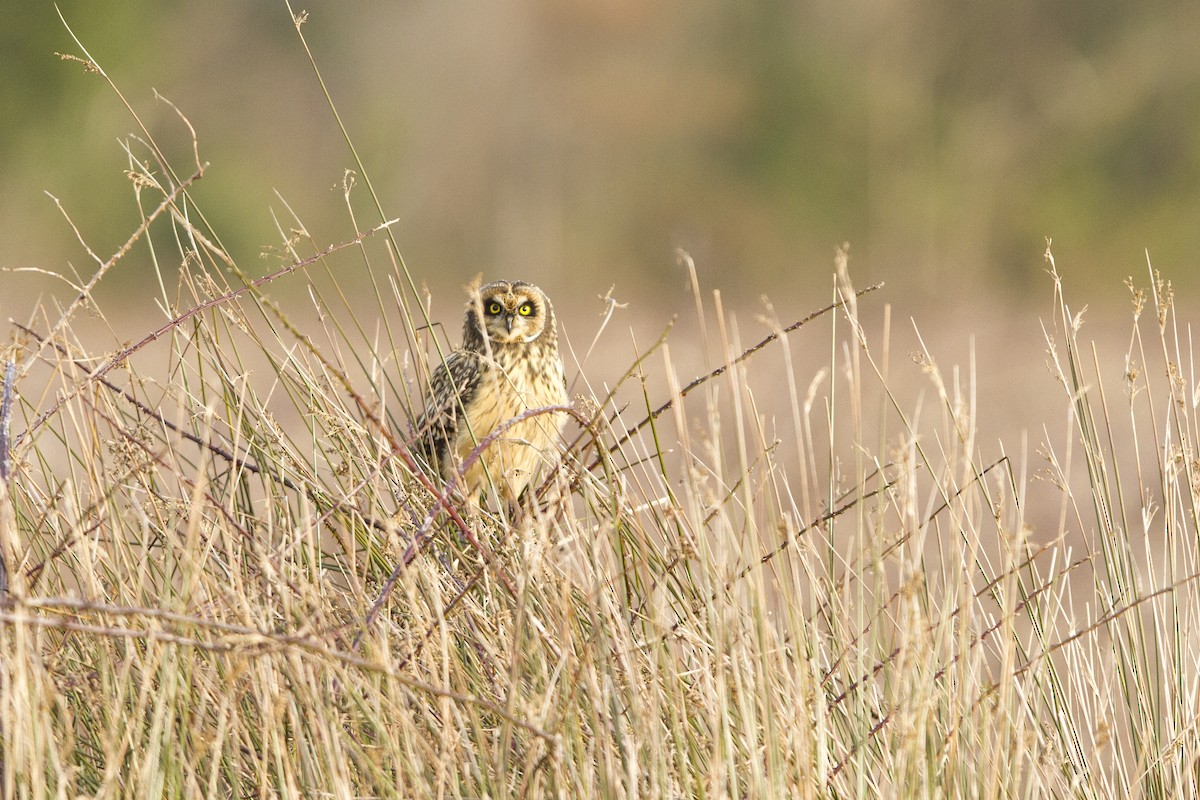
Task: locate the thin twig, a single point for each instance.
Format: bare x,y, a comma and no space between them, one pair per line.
233,459
787,542
122,355
442,501
656,413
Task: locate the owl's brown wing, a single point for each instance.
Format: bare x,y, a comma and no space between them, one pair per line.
451,387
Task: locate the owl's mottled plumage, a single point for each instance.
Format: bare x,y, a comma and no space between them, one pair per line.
507,365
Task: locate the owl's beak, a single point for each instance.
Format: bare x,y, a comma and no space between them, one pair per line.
508,322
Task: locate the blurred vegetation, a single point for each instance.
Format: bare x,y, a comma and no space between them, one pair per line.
584,142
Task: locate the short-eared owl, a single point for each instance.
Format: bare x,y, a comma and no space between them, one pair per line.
507,365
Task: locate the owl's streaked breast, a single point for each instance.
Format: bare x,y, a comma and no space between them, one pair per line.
514,381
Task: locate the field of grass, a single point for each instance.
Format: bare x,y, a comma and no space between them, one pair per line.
226,576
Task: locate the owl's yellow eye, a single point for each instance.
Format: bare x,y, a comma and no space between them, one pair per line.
525,310
493,309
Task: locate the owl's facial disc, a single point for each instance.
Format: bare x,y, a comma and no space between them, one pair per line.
511,318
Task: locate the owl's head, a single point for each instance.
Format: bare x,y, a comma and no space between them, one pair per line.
508,312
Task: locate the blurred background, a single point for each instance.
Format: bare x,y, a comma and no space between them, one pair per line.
578,145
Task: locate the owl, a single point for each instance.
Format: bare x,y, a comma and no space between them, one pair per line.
507,365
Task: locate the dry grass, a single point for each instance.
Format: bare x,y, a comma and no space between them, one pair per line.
226,577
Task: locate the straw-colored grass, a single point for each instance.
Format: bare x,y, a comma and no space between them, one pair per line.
228,577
